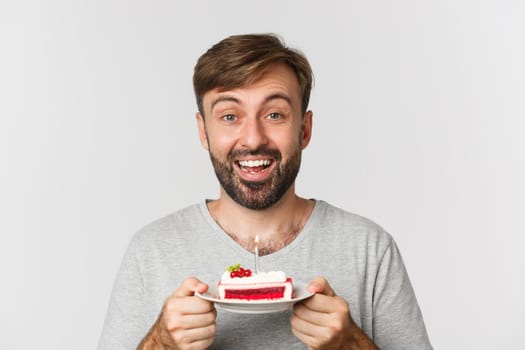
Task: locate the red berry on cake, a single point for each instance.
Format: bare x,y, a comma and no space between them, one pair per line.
238,271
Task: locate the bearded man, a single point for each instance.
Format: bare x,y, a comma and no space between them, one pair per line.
252,96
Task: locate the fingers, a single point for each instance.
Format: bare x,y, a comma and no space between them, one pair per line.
190,320
320,285
190,327
323,299
322,310
322,320
190,286
194,336
311,335
187,305
311,315
319,329
183,302
324,304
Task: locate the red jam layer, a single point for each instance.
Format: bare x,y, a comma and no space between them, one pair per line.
255,294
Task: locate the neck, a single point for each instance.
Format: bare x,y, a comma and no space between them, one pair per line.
276,226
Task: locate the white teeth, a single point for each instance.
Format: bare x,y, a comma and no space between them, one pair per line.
254,163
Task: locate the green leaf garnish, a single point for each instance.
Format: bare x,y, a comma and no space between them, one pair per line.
235,267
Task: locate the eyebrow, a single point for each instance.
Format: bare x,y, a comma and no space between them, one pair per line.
276,96
223,99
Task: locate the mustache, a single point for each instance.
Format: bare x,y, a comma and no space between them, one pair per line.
263,151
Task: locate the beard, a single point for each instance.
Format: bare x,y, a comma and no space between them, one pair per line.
257,195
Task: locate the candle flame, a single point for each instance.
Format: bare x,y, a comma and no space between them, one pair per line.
256,239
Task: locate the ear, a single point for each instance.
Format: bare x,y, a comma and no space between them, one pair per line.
306,132
202,130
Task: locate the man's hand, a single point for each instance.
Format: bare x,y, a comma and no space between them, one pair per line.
324,322
186,322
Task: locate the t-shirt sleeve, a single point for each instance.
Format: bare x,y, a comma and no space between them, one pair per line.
124,326
398,322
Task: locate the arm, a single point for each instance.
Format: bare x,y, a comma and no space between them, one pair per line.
185,321
158,337
324,321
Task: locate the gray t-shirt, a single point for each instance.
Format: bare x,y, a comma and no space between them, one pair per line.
358,258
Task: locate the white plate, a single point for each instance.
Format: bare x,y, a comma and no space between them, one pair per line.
258,306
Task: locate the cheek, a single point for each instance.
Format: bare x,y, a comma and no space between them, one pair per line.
291,144
220,146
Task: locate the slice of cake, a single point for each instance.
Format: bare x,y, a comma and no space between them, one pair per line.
240,284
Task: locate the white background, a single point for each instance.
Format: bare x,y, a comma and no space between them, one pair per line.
419,121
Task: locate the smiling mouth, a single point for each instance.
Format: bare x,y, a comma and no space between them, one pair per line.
254,166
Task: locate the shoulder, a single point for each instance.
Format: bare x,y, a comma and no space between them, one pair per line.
350,227
169,227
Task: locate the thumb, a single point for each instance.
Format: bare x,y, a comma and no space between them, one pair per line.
320,285
189,286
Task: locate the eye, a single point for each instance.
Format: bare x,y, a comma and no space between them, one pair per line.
275,116
229,117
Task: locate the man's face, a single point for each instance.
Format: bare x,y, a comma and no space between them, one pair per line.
255,135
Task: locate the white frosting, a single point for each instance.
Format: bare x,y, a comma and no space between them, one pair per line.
261,277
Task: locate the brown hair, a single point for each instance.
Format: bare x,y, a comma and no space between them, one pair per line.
241,59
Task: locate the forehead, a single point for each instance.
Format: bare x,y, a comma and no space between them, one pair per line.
276,79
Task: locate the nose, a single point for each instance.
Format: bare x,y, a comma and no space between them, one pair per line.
253,134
